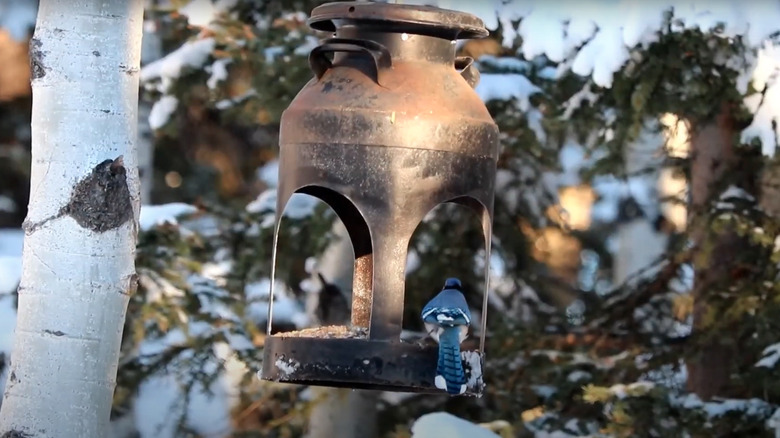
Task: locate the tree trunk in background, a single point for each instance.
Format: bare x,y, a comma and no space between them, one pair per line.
340,412
713,157
151,50
145,152
640,243
81,227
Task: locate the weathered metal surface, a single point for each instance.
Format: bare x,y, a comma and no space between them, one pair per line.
386,131
447,24
356,363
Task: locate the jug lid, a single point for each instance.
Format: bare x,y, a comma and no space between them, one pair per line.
444,22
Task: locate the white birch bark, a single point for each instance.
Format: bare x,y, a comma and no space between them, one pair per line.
80,233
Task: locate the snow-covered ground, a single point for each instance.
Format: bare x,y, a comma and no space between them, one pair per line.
443,424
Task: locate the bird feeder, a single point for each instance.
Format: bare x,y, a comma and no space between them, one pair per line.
388,128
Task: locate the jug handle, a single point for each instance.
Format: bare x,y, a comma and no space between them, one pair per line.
465,64
320,63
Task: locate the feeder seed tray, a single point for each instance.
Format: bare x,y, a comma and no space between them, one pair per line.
328,332
341,356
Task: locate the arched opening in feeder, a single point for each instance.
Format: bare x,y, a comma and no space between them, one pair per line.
341,306
451,241
285,304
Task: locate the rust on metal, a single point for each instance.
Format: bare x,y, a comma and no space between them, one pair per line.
361,291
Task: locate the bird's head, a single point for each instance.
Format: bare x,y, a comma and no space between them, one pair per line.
453,283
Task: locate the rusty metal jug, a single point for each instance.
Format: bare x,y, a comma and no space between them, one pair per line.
387,130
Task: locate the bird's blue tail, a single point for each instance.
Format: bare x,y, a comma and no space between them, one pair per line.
450,367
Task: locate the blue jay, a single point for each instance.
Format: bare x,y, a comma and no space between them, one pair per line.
447,320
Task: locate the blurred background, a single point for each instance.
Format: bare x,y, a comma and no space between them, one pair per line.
590,318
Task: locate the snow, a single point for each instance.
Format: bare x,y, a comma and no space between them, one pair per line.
17,17
571,158
161,397
218,71
191,55
299,206
286,308
272,52
310,42
622,391
773,423
632,265
287,366
504,63
161,400
413,261
228,103
443,424
577,99
7,204
269,173
766,120
734,192
578,375
750,407
612,189
154,215
552,44
161,112
544,391
473,362
505,86
602,57
201,13
11,241
594,39
771,355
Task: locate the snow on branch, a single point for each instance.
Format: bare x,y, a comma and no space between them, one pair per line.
153,215
202,13
506,86
598,35
191,55
595,39
765,104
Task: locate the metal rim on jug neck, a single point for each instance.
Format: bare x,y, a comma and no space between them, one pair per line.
400,18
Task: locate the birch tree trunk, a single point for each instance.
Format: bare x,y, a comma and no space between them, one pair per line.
80,231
